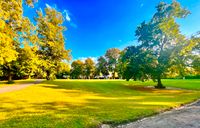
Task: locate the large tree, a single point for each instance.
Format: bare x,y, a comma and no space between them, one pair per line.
12,28
161,36
112,56
51,40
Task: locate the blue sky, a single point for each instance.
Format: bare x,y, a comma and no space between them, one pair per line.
97,25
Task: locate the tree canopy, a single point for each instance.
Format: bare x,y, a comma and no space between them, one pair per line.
160,42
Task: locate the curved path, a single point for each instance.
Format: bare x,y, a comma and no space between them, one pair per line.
18,86
185,117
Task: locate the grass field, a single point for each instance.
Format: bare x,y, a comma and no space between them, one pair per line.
89,103
190,84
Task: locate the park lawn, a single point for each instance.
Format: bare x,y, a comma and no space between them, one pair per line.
190,84
86,103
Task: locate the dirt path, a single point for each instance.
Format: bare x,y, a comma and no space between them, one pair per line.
184,117
17,87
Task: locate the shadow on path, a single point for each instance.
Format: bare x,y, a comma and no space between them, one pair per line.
18,86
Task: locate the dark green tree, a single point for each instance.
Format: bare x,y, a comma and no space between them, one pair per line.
102,66
160,36
77,69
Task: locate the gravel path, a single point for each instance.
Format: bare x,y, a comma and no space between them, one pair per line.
185,117
17,87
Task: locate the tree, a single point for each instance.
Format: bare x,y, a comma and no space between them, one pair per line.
196,64
102,66
186,53
30,2
112,56
11,28
135,63
77,69
63,70
28,61
193,47
89,68
161,36
51,40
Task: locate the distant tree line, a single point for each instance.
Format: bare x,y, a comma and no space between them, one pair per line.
106,67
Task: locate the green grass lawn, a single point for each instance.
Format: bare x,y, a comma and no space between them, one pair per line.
192,84
89,103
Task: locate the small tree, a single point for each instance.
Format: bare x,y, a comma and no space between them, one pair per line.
63,70
102,66
112,56
89,68
77,69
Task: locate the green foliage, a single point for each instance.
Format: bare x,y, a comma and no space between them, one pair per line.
159,40
63,70
77,69
102,66
196,64
112,56
137,63
89,68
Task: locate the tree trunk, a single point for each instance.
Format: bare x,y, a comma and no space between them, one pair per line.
48,75
159,84
10,81
114,75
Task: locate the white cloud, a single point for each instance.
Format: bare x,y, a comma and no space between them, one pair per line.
67,17
48,6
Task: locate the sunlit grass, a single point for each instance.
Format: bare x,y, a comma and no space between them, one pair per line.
191,84
85,103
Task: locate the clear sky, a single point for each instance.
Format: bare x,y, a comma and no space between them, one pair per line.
97,25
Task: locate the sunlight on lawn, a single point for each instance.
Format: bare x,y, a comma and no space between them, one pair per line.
90,102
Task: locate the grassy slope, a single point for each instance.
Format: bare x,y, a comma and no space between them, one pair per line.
77,103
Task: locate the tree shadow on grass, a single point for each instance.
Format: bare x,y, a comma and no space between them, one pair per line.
64,114
83,107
